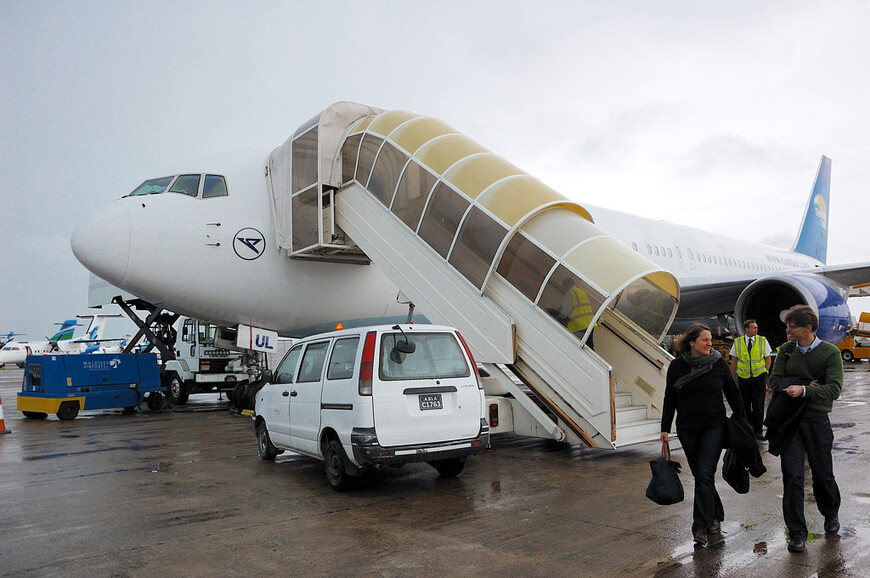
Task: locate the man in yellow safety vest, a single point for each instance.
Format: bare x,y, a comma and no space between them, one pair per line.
576,309
750,360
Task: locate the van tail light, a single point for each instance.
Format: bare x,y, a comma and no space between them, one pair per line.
471,357
493,415
367,366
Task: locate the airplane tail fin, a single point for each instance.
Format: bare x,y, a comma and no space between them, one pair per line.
812,239
67,328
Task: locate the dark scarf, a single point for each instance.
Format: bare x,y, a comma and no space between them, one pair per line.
699,366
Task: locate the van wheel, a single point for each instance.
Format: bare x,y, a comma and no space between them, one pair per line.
336,467
68,410
177,390
155,401
35,414
847,355
266,450
449,468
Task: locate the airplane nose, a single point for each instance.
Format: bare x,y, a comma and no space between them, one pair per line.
102,243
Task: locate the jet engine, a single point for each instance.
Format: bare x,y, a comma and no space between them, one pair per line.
766,299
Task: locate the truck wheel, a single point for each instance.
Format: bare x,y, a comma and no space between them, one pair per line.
847,355
336,467
266,450
155,401
177,390
68,410
449,468
35,414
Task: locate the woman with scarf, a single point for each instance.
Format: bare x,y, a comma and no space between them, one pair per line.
696,380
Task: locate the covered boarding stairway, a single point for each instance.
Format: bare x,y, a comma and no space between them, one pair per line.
565,318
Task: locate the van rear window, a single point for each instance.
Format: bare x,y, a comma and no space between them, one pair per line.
435,356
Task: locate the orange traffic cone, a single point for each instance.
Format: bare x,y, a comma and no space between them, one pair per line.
3,429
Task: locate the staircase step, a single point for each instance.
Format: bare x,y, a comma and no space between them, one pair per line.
621,399
630,414
638,432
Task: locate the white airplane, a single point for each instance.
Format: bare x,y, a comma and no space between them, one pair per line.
360,205
17,351
203,243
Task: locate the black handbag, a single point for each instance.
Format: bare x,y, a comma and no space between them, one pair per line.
665,487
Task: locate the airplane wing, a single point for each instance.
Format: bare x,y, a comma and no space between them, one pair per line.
856,276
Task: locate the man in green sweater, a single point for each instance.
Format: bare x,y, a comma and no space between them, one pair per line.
820,364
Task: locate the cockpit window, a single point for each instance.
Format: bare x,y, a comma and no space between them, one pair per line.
215,186
186,185
152,187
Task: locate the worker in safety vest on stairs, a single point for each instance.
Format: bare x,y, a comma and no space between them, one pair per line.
576,309
750,361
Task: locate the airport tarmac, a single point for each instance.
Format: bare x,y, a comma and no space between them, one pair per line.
183,493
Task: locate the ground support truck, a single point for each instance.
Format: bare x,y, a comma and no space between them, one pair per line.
66,384
856,345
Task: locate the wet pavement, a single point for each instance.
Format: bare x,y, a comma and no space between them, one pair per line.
184,493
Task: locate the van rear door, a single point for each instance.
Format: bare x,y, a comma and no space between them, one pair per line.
426,396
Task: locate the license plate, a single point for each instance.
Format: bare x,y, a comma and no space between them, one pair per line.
431,401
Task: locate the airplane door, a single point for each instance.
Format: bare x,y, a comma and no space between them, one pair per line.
305,398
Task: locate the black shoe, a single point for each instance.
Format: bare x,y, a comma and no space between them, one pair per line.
700,539
797,545
832,525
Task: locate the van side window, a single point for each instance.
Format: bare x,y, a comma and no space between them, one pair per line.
341,363
312,362
287,369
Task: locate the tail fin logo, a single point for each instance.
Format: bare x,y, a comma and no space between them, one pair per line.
821,209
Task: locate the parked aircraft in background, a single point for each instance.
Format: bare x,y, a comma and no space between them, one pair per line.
92,341
9,337
17,351
212,242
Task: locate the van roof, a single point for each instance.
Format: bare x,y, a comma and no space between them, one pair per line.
409,328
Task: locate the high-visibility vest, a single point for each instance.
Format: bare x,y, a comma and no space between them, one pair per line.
581,311
750,363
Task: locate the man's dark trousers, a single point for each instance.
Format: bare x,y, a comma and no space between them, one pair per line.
752,392
812,442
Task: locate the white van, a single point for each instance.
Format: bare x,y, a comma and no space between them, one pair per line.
375,396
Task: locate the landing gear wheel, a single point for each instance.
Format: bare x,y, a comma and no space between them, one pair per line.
336,470
449,468
848,355
155,401
177,390
266,450
237,395
68,410
35,414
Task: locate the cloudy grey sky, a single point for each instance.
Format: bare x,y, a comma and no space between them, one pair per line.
707,114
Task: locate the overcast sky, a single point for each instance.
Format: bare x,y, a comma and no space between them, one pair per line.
710,114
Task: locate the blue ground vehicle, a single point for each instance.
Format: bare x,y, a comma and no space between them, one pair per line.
64,384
